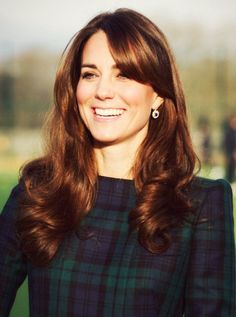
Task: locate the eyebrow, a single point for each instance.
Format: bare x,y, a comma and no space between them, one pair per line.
95,67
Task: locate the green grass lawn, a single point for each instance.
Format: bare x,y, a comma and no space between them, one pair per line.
20,308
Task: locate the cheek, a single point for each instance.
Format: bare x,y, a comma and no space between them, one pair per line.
81,97
83,93
132,96
84,115
138,95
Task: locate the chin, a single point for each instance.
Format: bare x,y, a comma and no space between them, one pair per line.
104,141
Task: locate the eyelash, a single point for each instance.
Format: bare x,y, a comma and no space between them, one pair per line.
123,75
87,75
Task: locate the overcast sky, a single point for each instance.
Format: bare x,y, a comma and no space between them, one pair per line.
51,23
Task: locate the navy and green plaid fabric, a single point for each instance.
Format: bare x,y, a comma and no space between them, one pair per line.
101,270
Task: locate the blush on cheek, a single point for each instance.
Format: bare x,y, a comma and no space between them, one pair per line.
84,94
80,95
136,93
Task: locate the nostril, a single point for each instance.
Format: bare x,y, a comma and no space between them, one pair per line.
104,91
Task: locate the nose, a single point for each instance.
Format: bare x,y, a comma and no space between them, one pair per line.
105,89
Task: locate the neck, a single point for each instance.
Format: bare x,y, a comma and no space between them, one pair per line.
115,161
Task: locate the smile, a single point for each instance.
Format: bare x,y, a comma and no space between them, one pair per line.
108,112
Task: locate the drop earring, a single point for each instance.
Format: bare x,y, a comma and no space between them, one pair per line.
155,114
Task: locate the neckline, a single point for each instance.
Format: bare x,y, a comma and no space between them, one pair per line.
114,179
115,186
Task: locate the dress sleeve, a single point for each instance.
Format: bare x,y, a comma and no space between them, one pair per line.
12,262
210,287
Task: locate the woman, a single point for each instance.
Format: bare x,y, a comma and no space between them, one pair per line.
112,221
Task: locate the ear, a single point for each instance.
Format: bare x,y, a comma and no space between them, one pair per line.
157,102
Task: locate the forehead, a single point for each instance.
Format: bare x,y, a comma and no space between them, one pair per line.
97,49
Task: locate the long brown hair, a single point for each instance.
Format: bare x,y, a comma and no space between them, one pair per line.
60,187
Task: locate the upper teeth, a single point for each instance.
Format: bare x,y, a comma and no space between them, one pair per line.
108,112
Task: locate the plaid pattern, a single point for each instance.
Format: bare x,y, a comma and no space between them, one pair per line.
101,270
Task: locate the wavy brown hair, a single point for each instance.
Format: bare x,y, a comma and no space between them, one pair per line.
60,187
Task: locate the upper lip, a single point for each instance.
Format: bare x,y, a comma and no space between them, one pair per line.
98,107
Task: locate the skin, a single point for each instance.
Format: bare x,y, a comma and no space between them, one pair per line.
115,109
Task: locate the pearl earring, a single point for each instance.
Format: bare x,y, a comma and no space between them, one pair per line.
155,114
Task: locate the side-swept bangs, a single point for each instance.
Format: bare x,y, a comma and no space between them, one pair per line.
140,51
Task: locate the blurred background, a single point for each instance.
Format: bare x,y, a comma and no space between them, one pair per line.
33,35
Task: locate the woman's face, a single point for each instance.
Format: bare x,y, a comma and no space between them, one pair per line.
114,108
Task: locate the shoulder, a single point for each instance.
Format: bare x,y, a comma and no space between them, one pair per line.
12,204
212,198
207,183
203,187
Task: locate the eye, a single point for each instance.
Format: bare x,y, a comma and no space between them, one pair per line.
88,75
122,75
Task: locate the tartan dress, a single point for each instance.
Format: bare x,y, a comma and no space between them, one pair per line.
102,270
